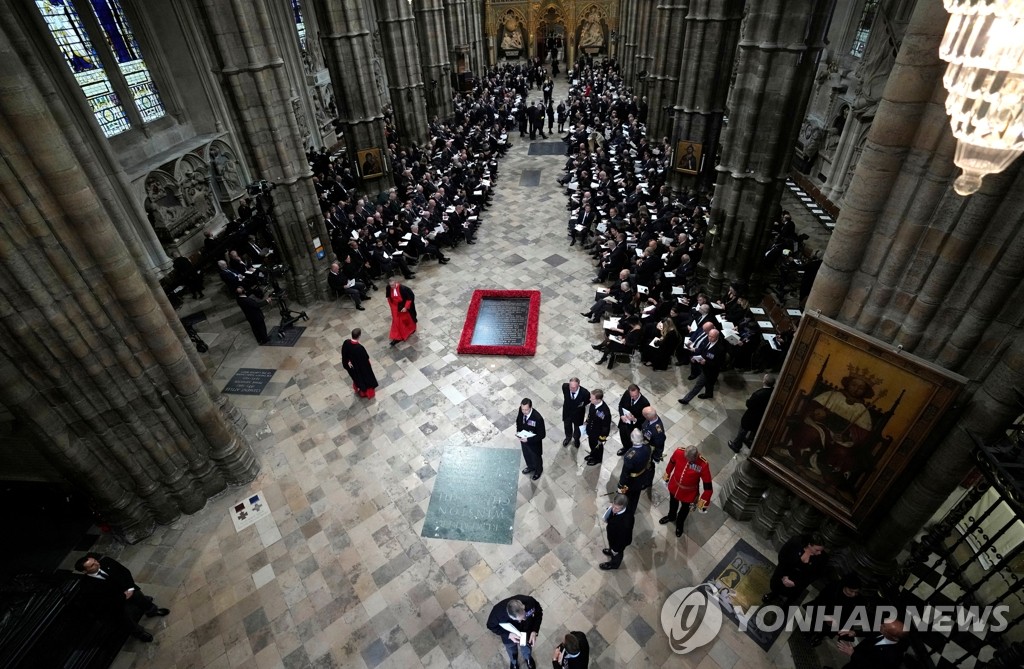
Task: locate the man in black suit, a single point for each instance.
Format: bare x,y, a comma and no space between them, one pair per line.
585,219
708,357
528,420
523,614
631,408
253,311
599,424
881,650
757,403
637,470
572,653
111,586
619,519
575,399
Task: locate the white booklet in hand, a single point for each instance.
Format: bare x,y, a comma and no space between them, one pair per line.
511,629
525,434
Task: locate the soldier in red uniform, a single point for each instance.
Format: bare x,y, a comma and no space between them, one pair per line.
684,471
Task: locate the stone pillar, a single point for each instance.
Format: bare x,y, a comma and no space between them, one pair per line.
271,125
776,61
402,59
664,77
92,357
477,39
712,31
915,265
644,57
744,490
457,27
436,66
348,49
630,12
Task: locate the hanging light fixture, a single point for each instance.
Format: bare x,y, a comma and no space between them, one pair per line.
984,46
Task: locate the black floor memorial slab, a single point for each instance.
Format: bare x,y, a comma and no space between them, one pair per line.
547,148
474,497
502,321
291,335
530,178
742,578
249,381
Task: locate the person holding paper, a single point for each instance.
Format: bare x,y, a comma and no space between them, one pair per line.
630,412
619,519
637,470
708,358
516,621
572,653
530,432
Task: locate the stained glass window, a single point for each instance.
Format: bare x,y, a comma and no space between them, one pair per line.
121,41
299,25
66,27
867,18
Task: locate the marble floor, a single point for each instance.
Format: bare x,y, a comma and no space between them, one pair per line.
339,576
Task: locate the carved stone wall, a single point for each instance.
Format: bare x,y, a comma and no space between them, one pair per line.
589,26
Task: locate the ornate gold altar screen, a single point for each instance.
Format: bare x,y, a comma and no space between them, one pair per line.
520,29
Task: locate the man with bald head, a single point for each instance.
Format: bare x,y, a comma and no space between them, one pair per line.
707,358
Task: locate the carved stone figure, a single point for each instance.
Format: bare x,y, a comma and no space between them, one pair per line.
513,38
225,170
592,35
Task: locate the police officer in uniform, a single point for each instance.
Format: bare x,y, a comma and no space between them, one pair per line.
653,431
686,469
637,470
599,424
631,408
575,399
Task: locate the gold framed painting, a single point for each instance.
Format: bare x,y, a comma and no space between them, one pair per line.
688,156
849,415
371,165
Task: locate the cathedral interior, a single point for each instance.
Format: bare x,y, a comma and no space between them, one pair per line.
136,134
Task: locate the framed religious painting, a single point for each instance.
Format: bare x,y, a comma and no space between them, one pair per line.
371,165
687,157
849,415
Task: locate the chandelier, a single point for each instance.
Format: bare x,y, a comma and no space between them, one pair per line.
984,46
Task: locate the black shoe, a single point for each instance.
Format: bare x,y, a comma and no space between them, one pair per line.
592,462
621,451
604,358
360,307
531,663
607,566
679,533
572,243
691,377
528,470
157,612
706,396
444,261
665,520
576,443
144,636
409,276
684,401
513,665
607,551
585,314
536,476
734,447
565,442
394,342
374,286
471,242
597,347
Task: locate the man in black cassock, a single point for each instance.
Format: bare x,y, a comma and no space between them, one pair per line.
357,363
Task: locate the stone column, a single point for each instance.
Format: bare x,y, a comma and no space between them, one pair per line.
90,357
914,264
664,78
457,27
436,66
712,30
477,40
776,61
645,45
271,125
348,49
630,35
402,59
